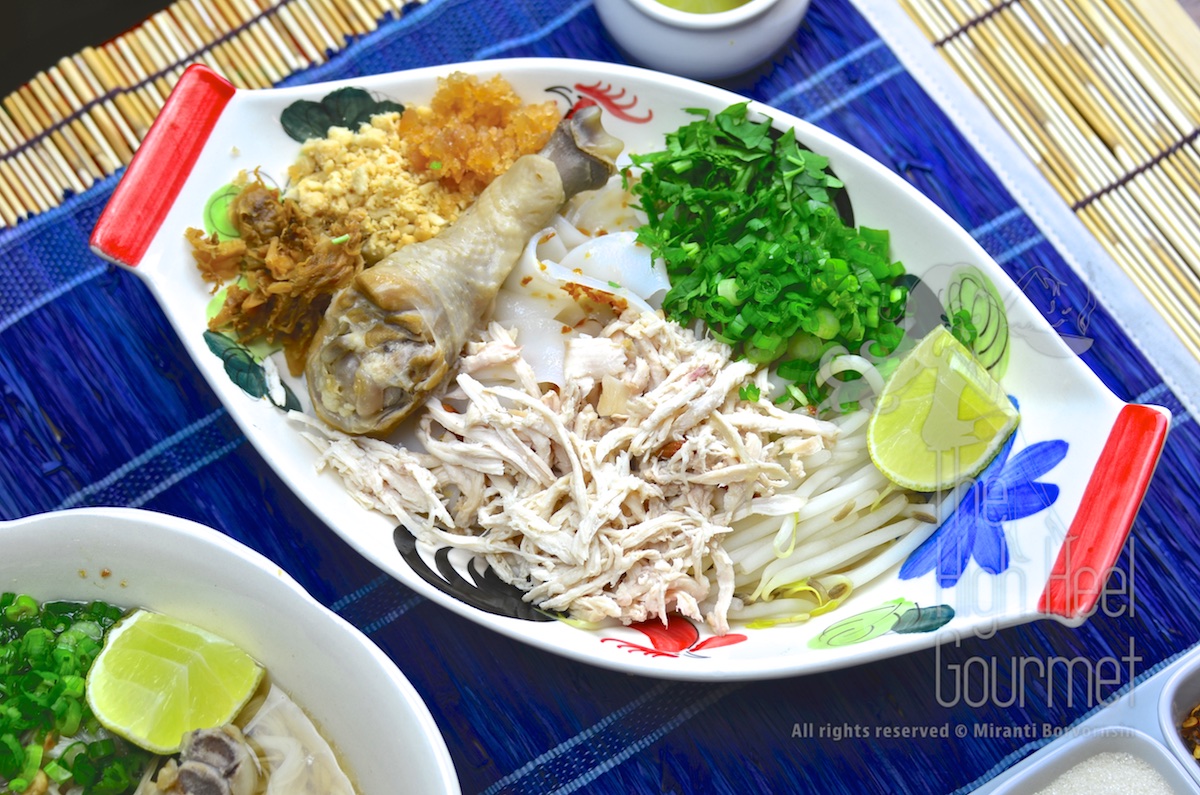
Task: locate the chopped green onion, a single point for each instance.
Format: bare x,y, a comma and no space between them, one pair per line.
337,241
56,772
33,761
21,609
826,324
745,223
728,289
45,653
805,346
797,394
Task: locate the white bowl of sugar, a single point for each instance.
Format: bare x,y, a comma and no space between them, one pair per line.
1108,761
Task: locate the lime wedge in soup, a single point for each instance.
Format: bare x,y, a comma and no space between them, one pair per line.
941,417
158,678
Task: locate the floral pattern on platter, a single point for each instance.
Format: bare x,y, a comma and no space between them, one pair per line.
899,615
346,107
248,366
1008,489
484,590
611,99
676,637
252,372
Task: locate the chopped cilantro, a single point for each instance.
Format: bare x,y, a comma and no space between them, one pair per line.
754,248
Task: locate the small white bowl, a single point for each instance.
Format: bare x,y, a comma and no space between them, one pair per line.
1180,694
1047,769
701,46
132,558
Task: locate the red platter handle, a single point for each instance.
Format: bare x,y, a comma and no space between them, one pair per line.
1111,500
161,166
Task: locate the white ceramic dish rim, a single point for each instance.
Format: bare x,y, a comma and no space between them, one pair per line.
254,108
78,540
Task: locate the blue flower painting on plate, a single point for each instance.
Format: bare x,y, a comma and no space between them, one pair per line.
1007,490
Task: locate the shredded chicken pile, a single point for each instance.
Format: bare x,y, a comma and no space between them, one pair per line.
607,498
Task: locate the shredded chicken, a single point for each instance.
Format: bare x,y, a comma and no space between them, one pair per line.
605,499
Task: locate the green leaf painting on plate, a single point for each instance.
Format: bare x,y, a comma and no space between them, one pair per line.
975,313
247,372
217,219
899,615
923,619
345,107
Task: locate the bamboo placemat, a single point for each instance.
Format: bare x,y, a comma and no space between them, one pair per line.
83,118
1102,96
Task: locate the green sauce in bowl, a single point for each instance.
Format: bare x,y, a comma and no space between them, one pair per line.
703,6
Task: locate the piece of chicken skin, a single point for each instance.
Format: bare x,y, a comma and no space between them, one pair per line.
391,337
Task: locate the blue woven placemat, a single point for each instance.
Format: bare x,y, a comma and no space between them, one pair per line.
101,406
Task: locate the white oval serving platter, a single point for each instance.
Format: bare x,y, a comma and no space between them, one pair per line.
1083,456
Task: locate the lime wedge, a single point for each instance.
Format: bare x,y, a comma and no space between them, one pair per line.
158,678
941,417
